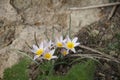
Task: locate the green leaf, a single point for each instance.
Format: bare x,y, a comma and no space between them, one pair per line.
80,71
18,71
84,71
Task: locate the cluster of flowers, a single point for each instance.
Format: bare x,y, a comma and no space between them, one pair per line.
46,49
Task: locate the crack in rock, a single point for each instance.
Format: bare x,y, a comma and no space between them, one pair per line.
20,5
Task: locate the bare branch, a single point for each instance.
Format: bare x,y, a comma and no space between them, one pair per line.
90,56
35,37
28,45
112,12
53,32
46,34
95,6
69,31
101,53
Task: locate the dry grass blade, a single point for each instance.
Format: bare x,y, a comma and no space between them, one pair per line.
91,56
69,31
28,45
96,6
101,53
112,12
46,34
53,33
35,37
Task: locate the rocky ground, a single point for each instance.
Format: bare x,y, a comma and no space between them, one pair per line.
104,36
20,19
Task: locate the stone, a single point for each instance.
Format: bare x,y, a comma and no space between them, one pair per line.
21,5
94,33
7,13
107,37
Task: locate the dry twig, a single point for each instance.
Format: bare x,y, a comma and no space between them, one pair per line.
112,12
96,6
101,53
28,45
98,56
35,37
46,34
53,33
69,31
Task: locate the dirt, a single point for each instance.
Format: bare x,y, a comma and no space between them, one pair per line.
98,36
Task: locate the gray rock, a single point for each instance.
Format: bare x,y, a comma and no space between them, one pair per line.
20,5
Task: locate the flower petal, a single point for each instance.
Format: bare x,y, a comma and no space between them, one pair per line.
33,50
36,56
35,47
64,40
68,38
61,38
75,39
54,57
76,44
73,50
41,45
68,51
50,43
52,51
47,50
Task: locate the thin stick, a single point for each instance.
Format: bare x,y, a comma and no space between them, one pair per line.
92,56
62,31
118,15
46,34
35,37
53,32
96,51
112,12
28,45
69,31
96,6
25,54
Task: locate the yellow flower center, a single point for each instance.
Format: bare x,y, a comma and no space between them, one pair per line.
70,45
48,56
59,44
64,52
39,51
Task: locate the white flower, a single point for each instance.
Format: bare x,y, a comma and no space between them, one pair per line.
38,50
60,42
49,54
48,44
64,52
71,44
